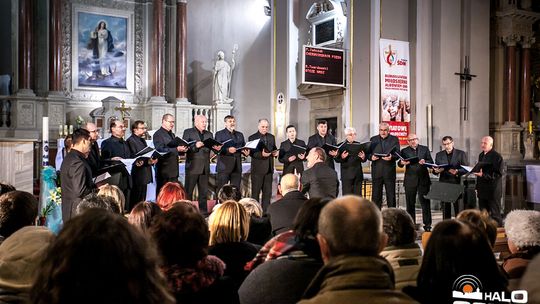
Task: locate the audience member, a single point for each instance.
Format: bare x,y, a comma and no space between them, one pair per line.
283,211
20,257
170,193
401,251
93,200
482,221
351,237
455,249
284,279
522,229
5,188
181,235
17,209
319,180
530,279
142,214
115,193
228,192
99,258
259,223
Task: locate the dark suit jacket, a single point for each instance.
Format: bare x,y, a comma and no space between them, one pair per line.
76,177
489,185
283,211
351,166
416,174
263,165
94,159
167,165
316,140
197,159
117,147
320,181
381,167
458,158
284,154
227,162
141,175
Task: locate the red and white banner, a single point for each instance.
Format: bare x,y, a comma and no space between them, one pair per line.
395,92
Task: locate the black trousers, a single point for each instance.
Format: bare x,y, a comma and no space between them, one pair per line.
138,194
447,209
492,206
160,181
235,178
351,186
390,186
201,181
411,192
264,183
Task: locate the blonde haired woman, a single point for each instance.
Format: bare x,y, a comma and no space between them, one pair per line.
114,192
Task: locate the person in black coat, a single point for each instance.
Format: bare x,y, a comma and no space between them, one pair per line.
352,175
319,180
489,180
167,166
141,172
323,137
229,160
76,174
198,161
452,174
262,164
93,157
383,168
282,212
292,163
417,181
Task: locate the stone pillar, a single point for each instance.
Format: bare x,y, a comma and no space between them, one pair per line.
25,47
158,53
510,78
55,46
181,47
219,111
528,138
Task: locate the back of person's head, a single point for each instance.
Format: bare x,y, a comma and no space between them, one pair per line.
115,193
92,201
228,192
181,235
103,260
530,279
169,194
17,209
398,226
321,154
142,214
351,225
252,207
289,182
21,254
229,223
457,248
522,227
79,135
482,221
5,188
306,221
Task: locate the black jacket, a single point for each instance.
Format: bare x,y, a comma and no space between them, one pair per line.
283,211
94,159
351,166
167,165
263,165
117,147
227,162
416,174
141,175
76,177
284,154
320,181
458,158
489,185
197,159
316,140
381,167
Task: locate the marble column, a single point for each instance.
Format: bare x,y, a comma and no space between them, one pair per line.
181,47
158,52
510,80
25,46
55,46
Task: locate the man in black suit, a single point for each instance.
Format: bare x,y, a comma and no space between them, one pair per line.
292,163
352,175
489,180
93,157
198,161
167,166
417,181
262,164
229,160
323,137
383,168
282,212
319,180
455,159
76,174
141,172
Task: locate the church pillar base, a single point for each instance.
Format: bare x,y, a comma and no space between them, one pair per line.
157,99
528,142
219,111
54,107
155,111
508,141
184,115
25,93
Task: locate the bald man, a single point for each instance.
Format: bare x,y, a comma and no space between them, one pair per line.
489,180
283,211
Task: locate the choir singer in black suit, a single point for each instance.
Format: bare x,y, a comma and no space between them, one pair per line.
94,155
141,172
262,164
352,175
167,166
229,160
489,180
383,165
198,161
292,163
455,158
323,137
417,181
319,180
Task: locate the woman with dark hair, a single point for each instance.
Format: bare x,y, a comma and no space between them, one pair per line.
455,249
99,258
181,235
142,214
169,194
228,192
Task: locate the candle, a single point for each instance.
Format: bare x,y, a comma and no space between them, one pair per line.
65,130
70,129
60,130
530,127
45,138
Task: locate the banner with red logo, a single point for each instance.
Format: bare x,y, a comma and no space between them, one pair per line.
395,92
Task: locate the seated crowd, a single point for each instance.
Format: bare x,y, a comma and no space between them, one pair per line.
316,250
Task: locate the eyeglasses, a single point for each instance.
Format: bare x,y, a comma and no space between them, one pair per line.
170,121
412,139
383,130
142,128
448,143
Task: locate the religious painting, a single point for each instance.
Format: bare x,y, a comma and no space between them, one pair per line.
102,49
